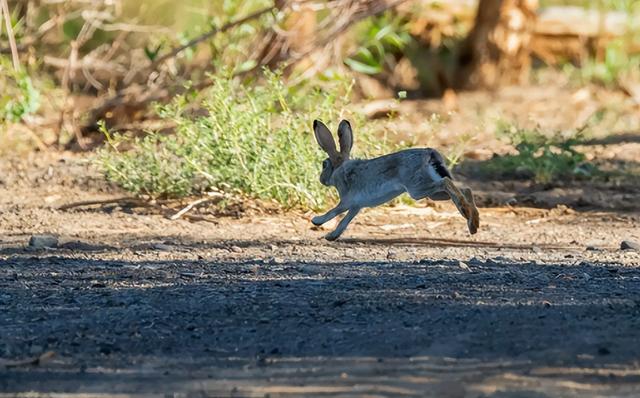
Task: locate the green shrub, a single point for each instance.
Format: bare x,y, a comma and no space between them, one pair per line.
19,97
615,65
255,140
378,38
540,157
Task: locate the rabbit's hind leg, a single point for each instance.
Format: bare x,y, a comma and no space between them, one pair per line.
432,191
464,203
475,215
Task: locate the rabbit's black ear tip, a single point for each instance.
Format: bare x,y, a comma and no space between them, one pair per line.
345,121
316,122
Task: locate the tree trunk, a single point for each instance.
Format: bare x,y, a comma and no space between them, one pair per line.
497,50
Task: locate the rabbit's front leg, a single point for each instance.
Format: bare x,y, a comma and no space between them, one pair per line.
330,215
342,225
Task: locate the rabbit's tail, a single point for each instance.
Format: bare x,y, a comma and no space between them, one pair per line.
437,163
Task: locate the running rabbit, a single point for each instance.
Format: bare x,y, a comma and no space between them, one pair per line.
372,182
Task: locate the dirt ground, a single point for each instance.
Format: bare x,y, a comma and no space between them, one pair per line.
542,302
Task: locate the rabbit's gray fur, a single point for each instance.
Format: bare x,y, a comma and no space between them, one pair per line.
420,172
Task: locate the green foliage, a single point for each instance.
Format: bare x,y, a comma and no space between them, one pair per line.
615,65
540,157
255,141
19,96
378,38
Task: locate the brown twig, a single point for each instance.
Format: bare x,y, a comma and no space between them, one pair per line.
26,127
12,40
356,11
149,95
31,40
84,203
27,362
193,217
159,205
213,196
195,41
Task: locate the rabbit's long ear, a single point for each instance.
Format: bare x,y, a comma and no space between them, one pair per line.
345,136
325,140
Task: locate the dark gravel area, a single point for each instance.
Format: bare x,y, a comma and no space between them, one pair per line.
158,322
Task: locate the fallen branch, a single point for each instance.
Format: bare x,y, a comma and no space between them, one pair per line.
213,196
128,95
129,199
85,63
27,362
191,217
154,204
210,34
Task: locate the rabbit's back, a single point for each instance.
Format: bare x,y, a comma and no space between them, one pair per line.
375,181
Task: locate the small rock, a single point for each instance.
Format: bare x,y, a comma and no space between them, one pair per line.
546,303
392,254
43,241
592,248
475,261
339,303
499,260
464,266
630,245
235,249
163,247
105,349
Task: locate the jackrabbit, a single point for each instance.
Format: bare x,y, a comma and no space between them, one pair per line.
368,183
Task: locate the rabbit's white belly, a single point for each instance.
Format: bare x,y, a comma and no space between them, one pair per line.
376,195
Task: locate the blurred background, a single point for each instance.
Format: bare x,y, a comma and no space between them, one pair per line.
536,101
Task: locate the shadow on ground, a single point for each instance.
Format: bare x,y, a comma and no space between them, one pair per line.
351,328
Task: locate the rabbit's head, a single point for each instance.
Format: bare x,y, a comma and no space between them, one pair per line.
326,142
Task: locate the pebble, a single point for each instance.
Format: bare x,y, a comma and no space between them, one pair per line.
163,247
43,241
464,266
392,254
629,245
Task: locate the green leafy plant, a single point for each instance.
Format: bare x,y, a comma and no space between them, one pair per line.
540,157
19,97
255,141
615,64
378,37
